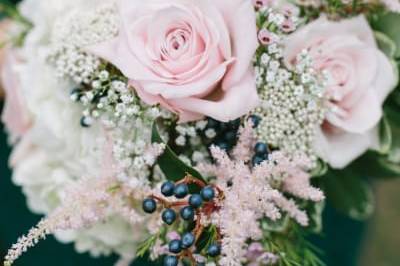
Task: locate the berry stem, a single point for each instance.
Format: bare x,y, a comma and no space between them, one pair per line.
189,179
168,204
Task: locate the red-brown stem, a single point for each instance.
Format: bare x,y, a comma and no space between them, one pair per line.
192,259
189,179
179,203
168,204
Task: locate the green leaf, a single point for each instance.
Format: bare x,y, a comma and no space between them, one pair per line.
385,136
173,168
315,215
349,193
207,238
392,114
146,246
388,23
276,226
374,165
386,44
320,169
9,9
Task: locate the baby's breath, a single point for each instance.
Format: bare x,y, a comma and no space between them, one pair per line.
73,34
292,98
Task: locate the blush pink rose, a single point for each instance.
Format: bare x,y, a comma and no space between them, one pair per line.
4,25
15,115
361,77
192,57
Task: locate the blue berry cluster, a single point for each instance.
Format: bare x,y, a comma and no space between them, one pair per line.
186,213
261,152
261,149
226,133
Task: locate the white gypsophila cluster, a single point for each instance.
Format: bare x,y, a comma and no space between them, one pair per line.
128,122
292,100
76,31
52,156
57,151
188,134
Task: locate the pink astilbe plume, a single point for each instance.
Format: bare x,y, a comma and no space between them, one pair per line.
256,192
243,149
83,205
87,202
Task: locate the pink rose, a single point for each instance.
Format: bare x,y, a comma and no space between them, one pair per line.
193,57
15,115
361,77
4,25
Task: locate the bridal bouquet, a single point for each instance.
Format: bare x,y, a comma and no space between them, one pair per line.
199,132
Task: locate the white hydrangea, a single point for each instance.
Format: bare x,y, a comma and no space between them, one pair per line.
58,151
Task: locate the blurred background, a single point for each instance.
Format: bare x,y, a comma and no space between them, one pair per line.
344,242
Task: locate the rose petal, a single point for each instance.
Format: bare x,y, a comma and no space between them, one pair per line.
237,15
235,102
365,114
341,149
15,115
386,78
199,88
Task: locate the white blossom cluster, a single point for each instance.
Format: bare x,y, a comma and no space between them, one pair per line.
128,122
57,151
292,100
75,32
188,135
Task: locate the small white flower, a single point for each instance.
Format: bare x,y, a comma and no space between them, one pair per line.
201,125
104,75
180,141
210,133
197,156
96,84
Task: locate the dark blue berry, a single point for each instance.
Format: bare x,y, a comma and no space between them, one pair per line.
234,124
195,201
261,149
212,123
214,250
181,191
167,189
230,136
255,119
175,246
207,193
223,145
85,121
223,127
149,205
187,213
171,261
76,93
168,216
187,240
257,160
